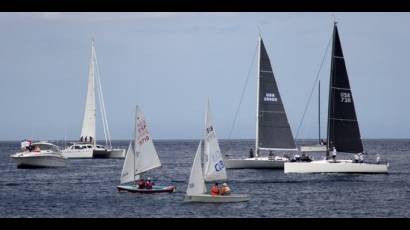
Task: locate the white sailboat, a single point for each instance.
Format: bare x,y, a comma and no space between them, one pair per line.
87,146
213,170
273,132
343,131
141,157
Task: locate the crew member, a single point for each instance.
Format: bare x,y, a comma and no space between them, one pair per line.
215,189
225,190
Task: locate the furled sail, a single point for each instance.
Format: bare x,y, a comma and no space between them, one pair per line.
343,128
273,129
88,129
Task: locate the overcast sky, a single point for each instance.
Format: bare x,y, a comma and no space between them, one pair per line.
169,63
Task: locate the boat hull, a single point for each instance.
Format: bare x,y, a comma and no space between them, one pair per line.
155,189
40,162
109,153
326,166
207,198
255,163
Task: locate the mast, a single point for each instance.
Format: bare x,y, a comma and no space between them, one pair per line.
328,146
319,110
257,98
135,137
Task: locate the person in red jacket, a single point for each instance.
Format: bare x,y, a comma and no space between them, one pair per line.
215,189
141,183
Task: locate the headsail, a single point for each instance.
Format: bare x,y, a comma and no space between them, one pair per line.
128,169
273,129
88,129
213,162
196,183
147,157
343,129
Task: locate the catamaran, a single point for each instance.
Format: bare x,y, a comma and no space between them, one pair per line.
273,132
141,157
214,169
87,146
343,132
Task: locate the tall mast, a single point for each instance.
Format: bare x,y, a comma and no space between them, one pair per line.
319,110
135,136
330,92
257,99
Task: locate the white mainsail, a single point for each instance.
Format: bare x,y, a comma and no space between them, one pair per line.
196,183
88,129
213,162
147,157
128,169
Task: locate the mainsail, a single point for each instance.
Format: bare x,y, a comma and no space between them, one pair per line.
147,157
88,129
273,129
196,183
342,129
213,162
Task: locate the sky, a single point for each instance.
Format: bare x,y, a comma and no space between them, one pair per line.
170,63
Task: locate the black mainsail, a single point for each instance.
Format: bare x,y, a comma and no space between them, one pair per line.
342,125
273,129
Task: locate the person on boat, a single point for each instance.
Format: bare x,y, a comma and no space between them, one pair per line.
251,153
322,142
141,183
378,158
271,155
334,153
305,158
225,190
356,158
297,157
215,189
91,139
361,158
81,139
149,183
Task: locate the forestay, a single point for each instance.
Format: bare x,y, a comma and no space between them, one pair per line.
147,157
213,162
196,183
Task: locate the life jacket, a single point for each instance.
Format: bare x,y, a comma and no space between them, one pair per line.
214,190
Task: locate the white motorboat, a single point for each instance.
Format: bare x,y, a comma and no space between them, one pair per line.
273,132
87,146
343,133
141,157
42,155
213,170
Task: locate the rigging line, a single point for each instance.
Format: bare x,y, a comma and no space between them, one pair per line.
243,93
104,114
313,87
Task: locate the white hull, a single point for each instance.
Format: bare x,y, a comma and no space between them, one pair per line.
207,198
41,161
313,148
341,166
256,163
78,153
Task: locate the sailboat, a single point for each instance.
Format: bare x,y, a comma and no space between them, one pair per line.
213,170
273,132
141,157
343,132
87,146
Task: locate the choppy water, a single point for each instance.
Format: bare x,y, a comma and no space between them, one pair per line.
86,188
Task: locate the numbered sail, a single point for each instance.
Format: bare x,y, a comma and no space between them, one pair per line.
213,162
196,183
88,129
147,157
273,129
343,129
128,169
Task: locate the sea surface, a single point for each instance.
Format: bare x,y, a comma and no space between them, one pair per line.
87,188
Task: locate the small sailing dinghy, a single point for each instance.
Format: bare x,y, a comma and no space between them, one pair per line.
342,128
214,169
273,132
87,146
141,157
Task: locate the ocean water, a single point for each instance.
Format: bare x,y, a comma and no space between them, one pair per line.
87,188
